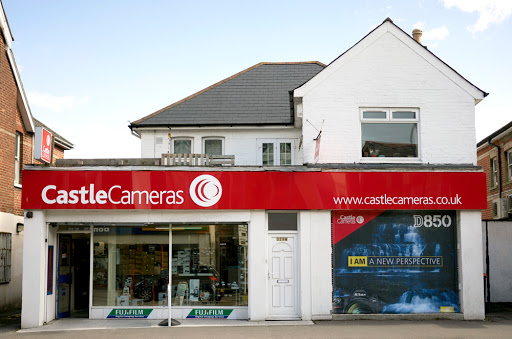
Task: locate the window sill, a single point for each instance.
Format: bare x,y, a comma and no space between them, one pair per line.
17,185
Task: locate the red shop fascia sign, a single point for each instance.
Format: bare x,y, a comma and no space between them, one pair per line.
232,190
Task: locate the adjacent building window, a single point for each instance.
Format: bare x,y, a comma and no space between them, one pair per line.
213,146
494,172
5,257
17,160
389,132
509,164
182,146
275,152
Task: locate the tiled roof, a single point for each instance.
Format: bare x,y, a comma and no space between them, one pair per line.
257,95
63,142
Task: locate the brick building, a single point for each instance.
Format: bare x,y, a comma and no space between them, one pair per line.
17,127
495,156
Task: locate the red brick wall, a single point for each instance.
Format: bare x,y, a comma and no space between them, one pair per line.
10,123
484,160
58,153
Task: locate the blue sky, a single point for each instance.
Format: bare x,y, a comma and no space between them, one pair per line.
89,67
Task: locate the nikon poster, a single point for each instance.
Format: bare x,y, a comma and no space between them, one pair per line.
394,262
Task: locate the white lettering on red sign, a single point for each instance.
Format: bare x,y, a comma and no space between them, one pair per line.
46,146
114,195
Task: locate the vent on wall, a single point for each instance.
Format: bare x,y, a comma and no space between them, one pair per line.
159,140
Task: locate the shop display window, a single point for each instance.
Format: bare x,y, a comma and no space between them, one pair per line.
209,265
131,265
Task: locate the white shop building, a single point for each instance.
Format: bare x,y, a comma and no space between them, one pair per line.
329,190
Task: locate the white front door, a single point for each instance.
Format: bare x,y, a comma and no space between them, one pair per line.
283,277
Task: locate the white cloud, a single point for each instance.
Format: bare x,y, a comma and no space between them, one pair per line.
420,25
489,11
439,33
55,103
83,100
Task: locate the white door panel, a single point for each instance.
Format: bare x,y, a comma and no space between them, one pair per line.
283,286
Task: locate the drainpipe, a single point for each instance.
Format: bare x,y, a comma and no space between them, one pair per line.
487,263
499,166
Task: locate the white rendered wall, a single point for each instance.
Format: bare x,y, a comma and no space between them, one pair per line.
10,293
258,279
471,265
34,271
240,142
315,265
388,73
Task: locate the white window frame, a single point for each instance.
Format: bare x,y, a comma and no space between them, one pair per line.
5,256
277,151
183,138
494,172
213,138
17,160
509,164
389,119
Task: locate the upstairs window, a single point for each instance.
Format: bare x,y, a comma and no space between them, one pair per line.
213,146
182,146
389,132
276,152
509,164
17,160
494,173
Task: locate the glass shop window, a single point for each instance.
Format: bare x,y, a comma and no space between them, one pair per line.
131,265
209,265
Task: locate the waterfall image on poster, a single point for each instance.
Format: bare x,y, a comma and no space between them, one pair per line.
394,262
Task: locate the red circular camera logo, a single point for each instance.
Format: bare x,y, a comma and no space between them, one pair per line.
205,190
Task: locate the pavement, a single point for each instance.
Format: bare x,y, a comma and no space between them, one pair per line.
498,324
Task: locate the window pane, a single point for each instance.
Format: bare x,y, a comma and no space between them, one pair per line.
182,146
213,146
389,140
494,173
5,257
131,266
282,221
209,265
374,115
285,153
267,154
17,167
404,115
17,150
509,164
